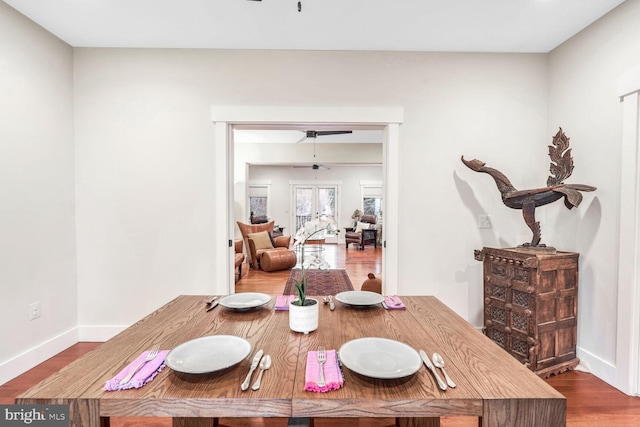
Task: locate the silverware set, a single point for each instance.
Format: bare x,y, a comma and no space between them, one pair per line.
394,301
152,355
329,300
438,361
213,303
263,363
322,359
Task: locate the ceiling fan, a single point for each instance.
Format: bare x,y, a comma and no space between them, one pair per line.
314,166
313,134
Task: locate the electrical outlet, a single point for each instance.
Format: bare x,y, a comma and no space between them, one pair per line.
484,221
35,310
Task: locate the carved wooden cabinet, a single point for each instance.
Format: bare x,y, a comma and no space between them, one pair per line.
531,306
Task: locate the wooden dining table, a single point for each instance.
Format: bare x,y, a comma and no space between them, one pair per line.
491,384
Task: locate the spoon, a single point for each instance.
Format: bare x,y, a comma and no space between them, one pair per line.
439,362
265,364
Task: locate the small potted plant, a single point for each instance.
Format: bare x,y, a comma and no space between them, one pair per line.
303,311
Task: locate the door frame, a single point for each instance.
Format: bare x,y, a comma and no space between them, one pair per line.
627,369
225,117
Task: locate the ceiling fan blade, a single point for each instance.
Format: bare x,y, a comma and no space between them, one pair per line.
312,134
332,132
314,166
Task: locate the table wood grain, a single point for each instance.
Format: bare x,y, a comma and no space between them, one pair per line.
492,385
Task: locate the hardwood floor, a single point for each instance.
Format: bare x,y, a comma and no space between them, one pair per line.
590,401
357,263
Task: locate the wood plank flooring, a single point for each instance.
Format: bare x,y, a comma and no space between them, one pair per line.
590,401
357,263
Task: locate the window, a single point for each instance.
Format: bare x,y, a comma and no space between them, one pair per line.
372,206
258,199
314,201
372,199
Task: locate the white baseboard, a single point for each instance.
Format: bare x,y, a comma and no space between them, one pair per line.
36,355
597,366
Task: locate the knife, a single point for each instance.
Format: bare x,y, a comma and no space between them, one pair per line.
213,305
427,361
254,364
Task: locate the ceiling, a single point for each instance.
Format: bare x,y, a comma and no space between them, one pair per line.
394,25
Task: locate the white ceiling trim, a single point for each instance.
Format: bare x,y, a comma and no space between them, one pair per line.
307,116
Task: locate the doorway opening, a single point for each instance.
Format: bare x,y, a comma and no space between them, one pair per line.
226,118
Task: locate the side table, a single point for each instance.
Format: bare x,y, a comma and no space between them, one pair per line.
531,306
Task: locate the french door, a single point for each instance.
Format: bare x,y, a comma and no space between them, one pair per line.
314,201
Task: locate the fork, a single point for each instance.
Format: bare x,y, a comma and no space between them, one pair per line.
322,358
394,300
152,355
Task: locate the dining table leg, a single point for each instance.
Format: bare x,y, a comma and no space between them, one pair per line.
524,412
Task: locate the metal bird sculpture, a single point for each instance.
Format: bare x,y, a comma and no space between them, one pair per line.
528,200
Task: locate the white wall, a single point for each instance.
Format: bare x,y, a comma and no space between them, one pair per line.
145,155
254,158
145,206
583,100
37,231
348,177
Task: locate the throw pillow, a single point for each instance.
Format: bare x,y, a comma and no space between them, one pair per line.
261,240
361,226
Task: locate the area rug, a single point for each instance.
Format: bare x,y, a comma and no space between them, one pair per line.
320,282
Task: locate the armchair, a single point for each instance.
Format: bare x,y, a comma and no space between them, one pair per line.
239,255
364,233
259,242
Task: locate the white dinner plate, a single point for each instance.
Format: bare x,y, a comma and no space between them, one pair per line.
359,298
208,354
245,300
380,358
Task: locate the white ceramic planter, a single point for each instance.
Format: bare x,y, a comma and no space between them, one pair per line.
304,318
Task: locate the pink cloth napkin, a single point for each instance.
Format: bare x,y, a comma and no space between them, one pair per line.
143,376
392,303
282,301
332,374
